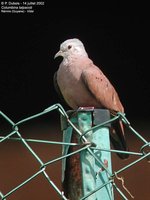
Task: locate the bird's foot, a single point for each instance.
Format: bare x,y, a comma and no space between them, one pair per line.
88,108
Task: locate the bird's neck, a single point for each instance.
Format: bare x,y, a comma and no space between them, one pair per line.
72,58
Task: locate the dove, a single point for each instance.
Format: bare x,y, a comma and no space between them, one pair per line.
80,83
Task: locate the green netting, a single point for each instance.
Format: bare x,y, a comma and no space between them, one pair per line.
16,135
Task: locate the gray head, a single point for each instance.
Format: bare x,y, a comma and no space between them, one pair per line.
71,47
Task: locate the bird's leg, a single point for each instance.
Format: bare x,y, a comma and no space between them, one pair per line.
87,108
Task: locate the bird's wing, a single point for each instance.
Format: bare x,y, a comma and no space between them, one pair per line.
101,88
57,89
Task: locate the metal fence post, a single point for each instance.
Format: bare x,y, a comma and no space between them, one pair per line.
85,172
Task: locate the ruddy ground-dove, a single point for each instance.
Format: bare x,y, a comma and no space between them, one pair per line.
82,84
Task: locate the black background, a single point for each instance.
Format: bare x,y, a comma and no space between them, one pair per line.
115,37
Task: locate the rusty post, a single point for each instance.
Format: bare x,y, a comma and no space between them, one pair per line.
85,172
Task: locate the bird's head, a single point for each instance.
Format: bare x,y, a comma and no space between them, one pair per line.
71,47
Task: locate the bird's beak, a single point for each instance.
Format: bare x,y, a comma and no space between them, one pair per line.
59,53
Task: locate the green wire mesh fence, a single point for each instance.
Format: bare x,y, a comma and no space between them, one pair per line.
16,135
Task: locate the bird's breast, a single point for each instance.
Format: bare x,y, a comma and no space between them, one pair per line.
73,88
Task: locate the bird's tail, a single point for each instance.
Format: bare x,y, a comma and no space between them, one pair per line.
118,139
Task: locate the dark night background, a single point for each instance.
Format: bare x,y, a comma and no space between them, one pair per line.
116,39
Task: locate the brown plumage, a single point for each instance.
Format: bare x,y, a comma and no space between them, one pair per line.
82,84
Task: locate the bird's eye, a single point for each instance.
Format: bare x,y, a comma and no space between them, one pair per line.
69,46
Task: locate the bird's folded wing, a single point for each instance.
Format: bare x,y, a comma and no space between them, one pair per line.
57,89
101,88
